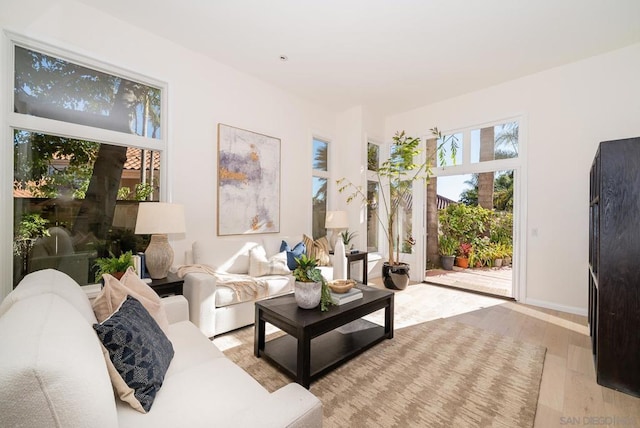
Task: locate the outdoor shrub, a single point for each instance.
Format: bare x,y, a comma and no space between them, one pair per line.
478,227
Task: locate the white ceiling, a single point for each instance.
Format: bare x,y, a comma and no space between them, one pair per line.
391,55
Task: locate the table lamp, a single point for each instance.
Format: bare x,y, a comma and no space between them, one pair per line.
159,219
336,221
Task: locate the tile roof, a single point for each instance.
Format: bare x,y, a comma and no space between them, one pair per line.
133,162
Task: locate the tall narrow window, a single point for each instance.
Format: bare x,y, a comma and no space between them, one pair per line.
320,164
76,189
372,216
373,226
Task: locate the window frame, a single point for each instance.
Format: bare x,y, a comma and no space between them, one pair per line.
11,120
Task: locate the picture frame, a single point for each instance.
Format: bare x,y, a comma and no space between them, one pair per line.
248,182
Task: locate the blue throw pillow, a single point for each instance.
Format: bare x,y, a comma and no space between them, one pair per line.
138,349
292,254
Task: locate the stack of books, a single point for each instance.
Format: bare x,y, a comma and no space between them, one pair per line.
349,296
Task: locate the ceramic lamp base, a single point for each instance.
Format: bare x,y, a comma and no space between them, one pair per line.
158,257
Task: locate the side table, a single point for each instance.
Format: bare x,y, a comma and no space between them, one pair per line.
354,257
171,285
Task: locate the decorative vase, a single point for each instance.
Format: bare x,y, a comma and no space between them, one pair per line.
497,263
396,277
462,262
308,294
447,262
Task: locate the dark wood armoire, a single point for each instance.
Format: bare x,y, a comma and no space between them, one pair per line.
614,264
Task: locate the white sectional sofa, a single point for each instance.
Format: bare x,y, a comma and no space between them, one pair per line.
215,308
53,372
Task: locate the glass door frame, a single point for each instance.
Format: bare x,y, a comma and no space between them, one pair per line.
519,167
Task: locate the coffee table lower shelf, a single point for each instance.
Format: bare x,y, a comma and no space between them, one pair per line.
328,351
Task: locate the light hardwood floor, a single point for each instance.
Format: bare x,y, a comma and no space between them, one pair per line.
569,394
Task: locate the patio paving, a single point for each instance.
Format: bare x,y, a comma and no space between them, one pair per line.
496,281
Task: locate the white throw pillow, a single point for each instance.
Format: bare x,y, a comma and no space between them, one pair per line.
259,265
115,292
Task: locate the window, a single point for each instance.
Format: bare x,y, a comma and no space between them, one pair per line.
405,215
320,161
495,142
53,88
373,226
444,157
76,188
372,216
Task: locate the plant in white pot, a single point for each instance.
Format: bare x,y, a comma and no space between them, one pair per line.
311,288
397,175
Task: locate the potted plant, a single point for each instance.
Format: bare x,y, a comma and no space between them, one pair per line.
310,287
448,246
113,265
395,177
347,237
463,254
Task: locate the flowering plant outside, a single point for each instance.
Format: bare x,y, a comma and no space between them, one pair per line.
465,249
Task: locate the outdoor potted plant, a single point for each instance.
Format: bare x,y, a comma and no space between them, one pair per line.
463,254
310,287
115,266
395,177
448,246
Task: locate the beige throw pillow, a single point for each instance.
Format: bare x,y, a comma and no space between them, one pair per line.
318,249
114,292
259,265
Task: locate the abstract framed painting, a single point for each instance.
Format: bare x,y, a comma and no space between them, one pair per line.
248,182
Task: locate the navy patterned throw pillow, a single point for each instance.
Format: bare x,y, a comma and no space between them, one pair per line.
293,253
138,348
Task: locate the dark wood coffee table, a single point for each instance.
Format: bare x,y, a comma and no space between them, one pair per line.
317,342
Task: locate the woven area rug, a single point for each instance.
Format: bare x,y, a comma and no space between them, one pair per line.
436,374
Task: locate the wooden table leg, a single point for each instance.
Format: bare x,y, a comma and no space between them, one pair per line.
303,366
388,319
365,268
259,338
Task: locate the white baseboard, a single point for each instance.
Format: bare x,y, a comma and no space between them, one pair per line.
562,308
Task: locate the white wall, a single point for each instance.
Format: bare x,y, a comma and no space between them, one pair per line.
202,93
568,110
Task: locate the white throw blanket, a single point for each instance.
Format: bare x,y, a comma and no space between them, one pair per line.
246,287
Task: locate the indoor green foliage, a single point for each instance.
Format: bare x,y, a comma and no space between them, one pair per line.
113,264
347,237
307,271
397,174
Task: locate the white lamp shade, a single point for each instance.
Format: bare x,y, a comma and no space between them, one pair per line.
336,220
160,218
